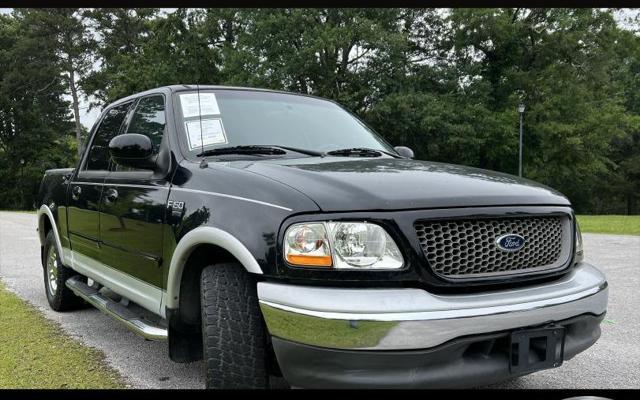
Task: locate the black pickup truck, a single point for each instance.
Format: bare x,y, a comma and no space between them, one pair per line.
275,235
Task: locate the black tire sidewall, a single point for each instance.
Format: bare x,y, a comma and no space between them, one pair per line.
64,298
50,244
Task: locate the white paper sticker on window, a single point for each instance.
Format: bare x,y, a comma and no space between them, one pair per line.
191,107
212,132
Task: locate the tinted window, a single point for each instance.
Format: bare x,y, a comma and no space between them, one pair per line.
109,127
149,120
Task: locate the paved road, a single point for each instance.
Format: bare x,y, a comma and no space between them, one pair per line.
613,362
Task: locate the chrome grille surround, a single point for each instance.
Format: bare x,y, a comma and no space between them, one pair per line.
466,248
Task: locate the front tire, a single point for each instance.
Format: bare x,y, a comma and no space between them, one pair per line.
59,296
233,334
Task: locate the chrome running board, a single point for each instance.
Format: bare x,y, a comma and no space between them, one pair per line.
133,321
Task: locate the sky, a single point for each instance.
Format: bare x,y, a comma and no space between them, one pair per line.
88,117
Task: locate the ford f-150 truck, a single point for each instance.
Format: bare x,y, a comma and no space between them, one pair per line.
277,237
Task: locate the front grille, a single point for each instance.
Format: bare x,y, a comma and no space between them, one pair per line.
467,248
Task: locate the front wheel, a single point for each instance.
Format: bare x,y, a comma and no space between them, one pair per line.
233,334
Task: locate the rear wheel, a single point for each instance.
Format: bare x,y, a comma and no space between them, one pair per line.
233,333
60,297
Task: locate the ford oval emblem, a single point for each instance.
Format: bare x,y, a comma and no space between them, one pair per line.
510,242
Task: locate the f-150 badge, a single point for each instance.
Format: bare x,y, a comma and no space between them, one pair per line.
175,205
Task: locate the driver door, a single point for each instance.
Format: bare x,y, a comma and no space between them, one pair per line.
133,205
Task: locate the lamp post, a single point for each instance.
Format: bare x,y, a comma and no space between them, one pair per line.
521,111
21,182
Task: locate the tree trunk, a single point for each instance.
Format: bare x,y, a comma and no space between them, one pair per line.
76,110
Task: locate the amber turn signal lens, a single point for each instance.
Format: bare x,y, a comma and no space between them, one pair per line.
309,261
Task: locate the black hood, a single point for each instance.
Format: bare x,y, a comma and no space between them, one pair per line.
349,184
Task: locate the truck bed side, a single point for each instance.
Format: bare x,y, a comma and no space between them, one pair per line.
51,203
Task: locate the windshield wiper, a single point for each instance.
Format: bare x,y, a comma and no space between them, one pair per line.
259,149
242,150
280,150
356,151
302,151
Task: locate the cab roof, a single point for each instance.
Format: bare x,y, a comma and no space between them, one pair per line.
185,87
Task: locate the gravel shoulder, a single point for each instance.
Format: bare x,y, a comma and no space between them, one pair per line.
613,362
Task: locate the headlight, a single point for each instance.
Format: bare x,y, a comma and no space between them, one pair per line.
579,248
341,245
307,244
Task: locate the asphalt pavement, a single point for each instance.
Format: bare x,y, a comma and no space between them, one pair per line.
613,362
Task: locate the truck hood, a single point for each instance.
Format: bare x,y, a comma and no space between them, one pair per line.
352,184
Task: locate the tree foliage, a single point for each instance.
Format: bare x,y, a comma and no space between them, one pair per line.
65,28
444,82
34,120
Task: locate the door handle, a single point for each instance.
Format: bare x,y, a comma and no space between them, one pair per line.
111,196
75,192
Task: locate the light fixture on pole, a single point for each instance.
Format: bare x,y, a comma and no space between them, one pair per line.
521,111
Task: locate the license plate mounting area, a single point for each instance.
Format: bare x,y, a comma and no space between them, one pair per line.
536,349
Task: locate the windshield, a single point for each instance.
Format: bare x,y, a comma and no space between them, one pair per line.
223,118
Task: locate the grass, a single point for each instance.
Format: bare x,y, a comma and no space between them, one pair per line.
615,224
35,353
331,333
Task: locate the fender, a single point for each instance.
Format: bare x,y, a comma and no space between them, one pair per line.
203,235
45,212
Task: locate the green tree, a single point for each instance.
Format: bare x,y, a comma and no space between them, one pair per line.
35,124
445,82
73,44
561,63
181,48
622,182
122,32
334,53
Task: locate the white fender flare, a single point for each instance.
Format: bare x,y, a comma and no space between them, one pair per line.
45,212
198,236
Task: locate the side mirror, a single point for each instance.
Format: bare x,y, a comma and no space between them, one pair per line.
404,151
132,150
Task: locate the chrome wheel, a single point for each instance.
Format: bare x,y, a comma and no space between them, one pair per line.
52,271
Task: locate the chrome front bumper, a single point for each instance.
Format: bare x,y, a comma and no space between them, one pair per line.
404,319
